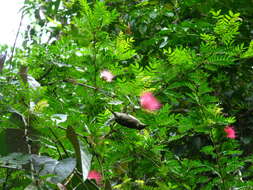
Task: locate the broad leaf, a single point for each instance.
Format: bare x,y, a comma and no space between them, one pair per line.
83,157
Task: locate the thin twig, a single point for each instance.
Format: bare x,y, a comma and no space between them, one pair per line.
65,129
16,38
73,81
58,141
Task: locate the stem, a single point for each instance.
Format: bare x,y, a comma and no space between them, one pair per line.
94,59
29,147
218,160
27,128
100,164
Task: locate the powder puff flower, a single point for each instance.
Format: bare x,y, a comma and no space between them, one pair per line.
106,75
149,102
95,175
230,131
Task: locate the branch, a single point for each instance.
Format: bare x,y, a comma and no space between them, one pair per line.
45,74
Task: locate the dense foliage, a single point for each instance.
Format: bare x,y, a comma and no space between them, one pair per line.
129,95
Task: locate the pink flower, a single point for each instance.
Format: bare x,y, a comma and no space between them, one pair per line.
230,132
149,102
106,75
95,175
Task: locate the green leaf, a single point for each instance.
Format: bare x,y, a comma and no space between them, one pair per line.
63,169
208,150
44,165
13,141
15,160
83,157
